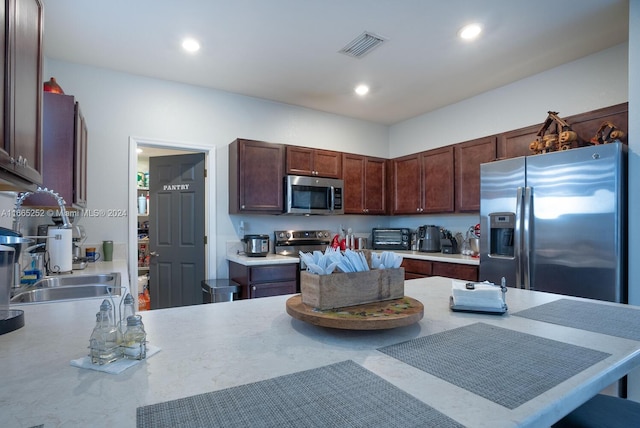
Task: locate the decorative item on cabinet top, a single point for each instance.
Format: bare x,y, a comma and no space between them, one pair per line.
52,86
555,134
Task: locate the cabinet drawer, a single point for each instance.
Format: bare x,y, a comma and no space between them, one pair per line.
272,289
273,273
409,275
456,271
422,267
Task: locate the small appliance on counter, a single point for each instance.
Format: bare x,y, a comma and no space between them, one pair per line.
256,245
78,236
391,239
10,247
448,243
60,249
429,239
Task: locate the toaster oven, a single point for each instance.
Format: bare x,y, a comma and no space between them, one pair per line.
391,239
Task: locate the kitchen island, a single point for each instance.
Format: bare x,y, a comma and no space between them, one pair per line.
206,348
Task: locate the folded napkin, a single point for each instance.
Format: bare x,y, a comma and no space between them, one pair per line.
116,367
483,295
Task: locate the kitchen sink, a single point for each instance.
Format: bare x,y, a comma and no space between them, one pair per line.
68,287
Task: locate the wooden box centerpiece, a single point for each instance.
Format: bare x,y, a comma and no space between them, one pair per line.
338,290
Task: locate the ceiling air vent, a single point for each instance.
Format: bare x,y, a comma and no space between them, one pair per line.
362,45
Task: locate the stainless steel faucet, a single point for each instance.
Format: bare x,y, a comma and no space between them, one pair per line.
24,195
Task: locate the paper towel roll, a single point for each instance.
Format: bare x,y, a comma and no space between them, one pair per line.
60,250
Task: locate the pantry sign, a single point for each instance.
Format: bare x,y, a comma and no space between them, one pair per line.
170,187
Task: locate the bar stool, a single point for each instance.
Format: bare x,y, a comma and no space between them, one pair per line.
603,411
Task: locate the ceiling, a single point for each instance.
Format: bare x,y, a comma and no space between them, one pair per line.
287,50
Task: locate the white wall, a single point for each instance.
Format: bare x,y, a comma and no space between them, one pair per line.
596,81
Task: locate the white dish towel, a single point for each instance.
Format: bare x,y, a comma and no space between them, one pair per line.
483,295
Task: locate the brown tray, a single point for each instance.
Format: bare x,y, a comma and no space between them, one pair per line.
371,316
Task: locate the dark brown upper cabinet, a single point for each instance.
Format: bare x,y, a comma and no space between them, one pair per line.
423,183
64,145
313,162
256,173
468,157
365,189
21,145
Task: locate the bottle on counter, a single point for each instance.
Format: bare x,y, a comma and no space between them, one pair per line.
103,343
134,345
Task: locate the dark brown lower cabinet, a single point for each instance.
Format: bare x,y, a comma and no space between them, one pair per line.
414,268
265,280
455,270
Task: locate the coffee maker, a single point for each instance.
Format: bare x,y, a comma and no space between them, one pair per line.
77,238
10,247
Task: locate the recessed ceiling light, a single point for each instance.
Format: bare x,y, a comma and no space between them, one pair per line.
190,45
362,90
470,32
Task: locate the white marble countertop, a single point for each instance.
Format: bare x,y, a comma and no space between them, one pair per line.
216,346
440,257
105,267
269,259
277,259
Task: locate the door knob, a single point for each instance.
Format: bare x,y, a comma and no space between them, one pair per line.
154,254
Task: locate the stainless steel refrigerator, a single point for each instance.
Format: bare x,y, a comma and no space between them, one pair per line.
556,222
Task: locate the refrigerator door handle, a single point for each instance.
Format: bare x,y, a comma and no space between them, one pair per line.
517,232
526,237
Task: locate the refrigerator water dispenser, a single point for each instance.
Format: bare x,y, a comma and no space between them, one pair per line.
501,232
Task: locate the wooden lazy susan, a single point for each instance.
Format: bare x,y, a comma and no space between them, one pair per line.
371,316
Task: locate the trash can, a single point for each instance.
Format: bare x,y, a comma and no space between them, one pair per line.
219,290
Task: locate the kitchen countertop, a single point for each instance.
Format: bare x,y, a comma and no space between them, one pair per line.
440,257
106,267
270,259
211,347
278,259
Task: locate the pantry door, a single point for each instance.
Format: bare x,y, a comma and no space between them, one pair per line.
176,229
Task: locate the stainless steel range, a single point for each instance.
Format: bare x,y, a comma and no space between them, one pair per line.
291,242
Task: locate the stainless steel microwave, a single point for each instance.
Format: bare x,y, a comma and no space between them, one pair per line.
313,195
